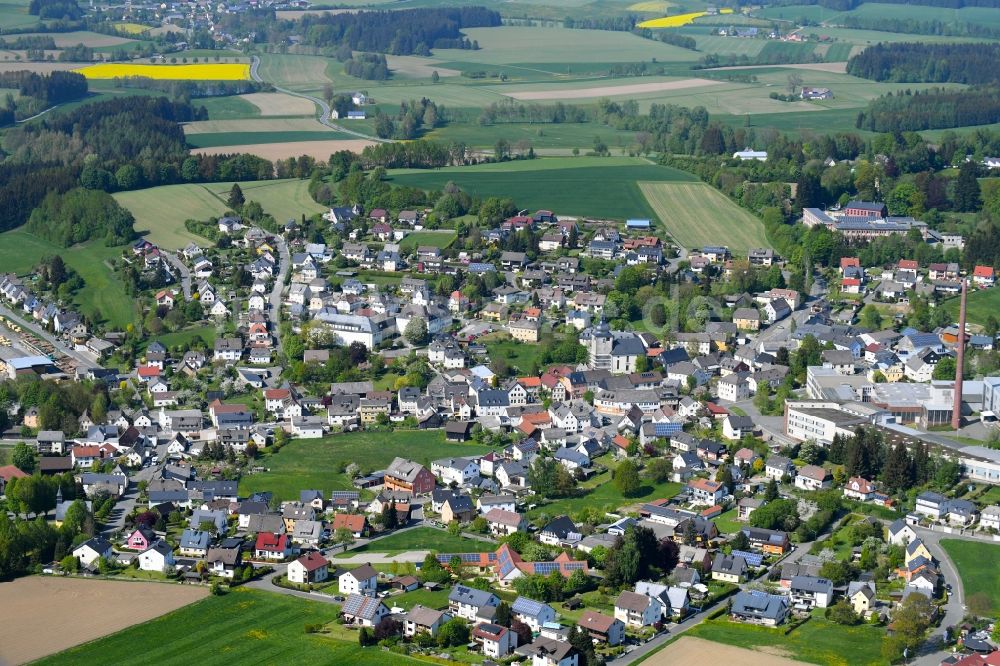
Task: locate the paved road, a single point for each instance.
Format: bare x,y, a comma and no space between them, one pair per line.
954,609
127,503
324,116
184,273
21,320
284,265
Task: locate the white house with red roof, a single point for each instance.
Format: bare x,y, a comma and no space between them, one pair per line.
310,568
983,276
270,546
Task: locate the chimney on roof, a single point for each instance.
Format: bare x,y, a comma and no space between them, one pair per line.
956,410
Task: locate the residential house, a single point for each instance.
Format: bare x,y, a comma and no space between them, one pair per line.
813,477
423,620
363,610
467,602
755,607
310,568
729,568
496,641
636,610
808,592
361,580
158,557
532,613
602,628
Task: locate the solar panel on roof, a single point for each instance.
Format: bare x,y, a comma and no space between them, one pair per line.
470,557
546,567
573,566
666,429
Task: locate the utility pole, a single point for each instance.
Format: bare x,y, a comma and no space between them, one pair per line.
956,410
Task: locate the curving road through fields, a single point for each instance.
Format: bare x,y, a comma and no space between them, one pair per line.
324,116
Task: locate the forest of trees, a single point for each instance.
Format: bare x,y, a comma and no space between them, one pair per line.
55,9
907,111
81,215
38,92
368,66
402,32
905,62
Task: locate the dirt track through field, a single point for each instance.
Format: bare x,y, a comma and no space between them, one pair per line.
690,650
611,91
321,150
40,616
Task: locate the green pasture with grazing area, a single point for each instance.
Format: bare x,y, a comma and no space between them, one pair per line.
319,463
421,538
187,336
540,136
103,297
593,186
818,641
697,214
976,564
517,354
243,626
160,212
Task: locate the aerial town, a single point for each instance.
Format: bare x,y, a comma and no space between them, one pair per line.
513,334
584,492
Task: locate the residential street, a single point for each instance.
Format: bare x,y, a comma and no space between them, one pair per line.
284,265
184,273
126,504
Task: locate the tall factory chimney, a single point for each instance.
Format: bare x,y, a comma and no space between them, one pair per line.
956,410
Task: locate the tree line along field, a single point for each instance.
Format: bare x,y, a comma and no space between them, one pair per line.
588,186
104,293
697,214
320,463
243,626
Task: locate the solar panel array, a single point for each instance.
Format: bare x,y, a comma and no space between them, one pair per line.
546,567
752,559
526,606
506,564
666,429
574,566
354,604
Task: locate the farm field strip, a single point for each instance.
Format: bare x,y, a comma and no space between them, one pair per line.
198,72
696,214
35,601
319,149
611,90
280,104
85,37
255,125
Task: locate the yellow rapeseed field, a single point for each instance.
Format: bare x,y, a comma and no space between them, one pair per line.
132,28
196,72
678,20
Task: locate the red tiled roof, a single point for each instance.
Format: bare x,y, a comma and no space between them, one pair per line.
354,523
983,271
8,472
275,543
277,394
148,371
312,561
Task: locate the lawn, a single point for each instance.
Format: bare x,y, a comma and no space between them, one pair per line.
441,239
244,626
979,306
976,564
318,463
727,523
160,212
185,337
431,598
421,538
104,294
697,214
818,641
521,355
212,140
591,186
599,492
